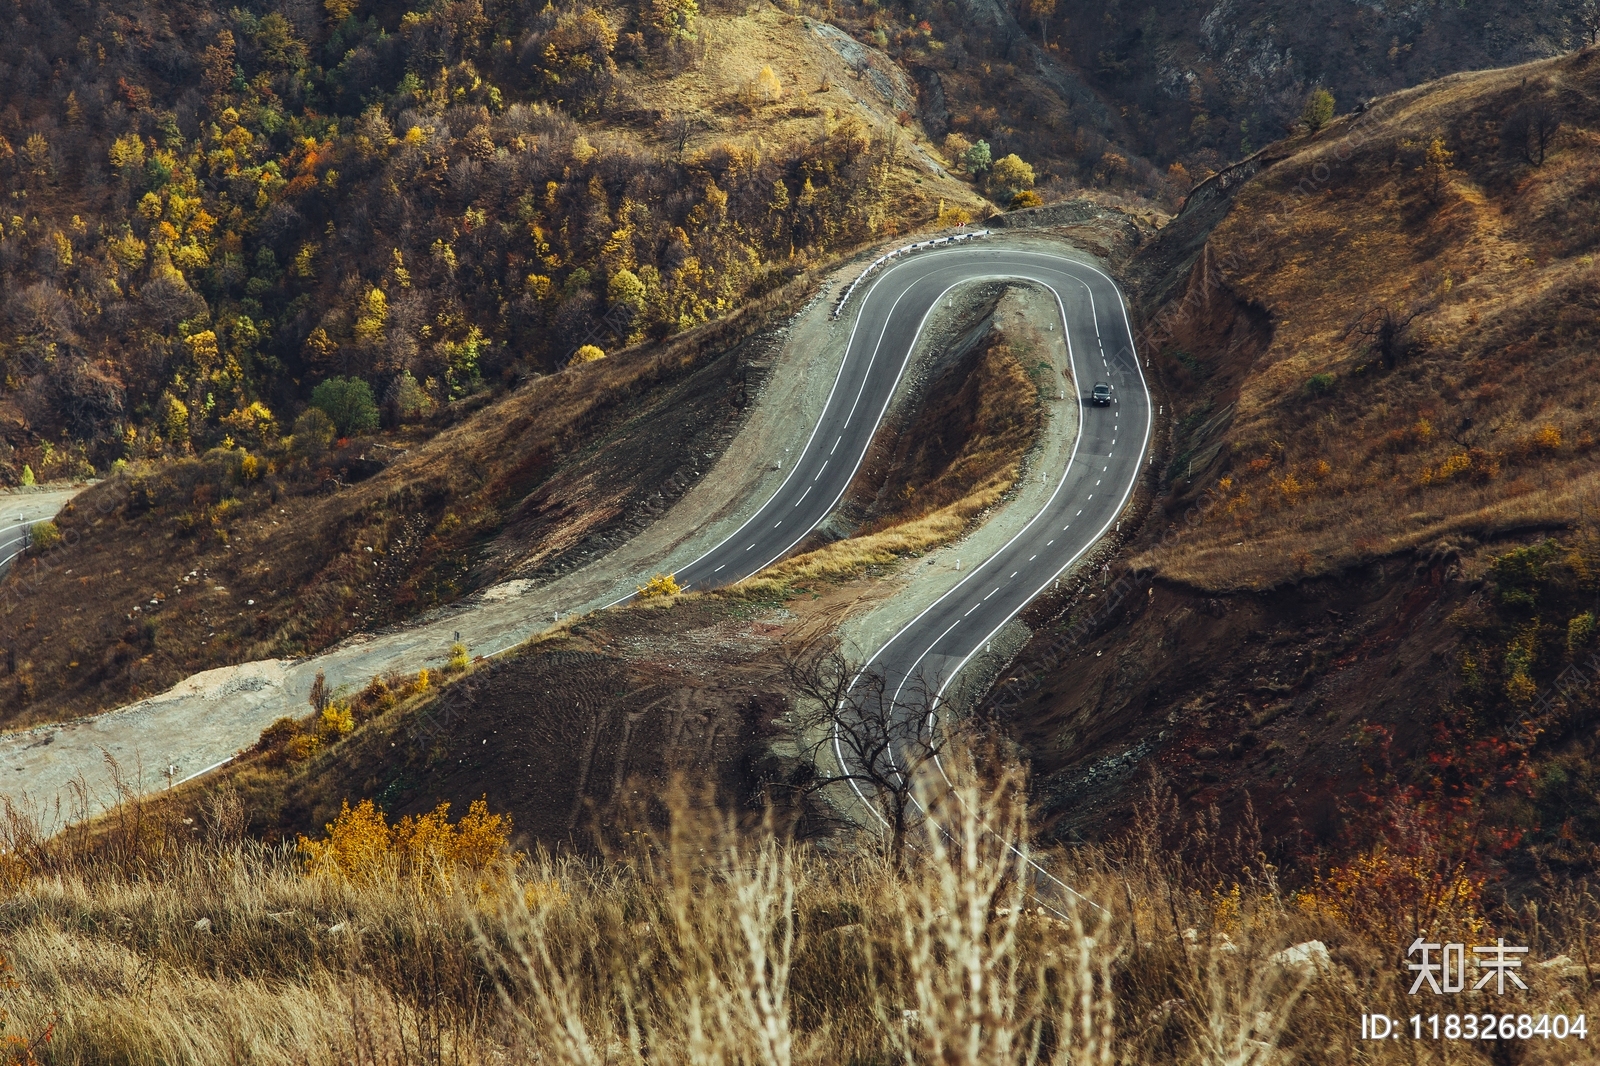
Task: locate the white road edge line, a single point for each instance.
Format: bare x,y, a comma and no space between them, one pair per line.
1077,442
1144,386
1127,494
895,268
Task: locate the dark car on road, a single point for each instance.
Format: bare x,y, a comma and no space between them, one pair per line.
1100,395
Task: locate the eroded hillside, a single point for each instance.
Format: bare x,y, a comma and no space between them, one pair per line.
1427,273
1365,584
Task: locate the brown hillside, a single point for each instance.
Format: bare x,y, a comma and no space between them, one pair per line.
183,565
572,731
1321,448
1376,590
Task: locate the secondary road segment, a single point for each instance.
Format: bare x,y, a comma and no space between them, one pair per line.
20,512
1088,495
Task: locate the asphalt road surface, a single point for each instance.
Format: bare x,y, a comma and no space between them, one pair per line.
888,316
923,659
1089,494
19,511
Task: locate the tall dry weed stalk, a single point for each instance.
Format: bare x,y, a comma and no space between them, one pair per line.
988,979
686,955
722,946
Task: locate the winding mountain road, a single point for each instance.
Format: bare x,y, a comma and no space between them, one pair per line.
1089,494
21,511
201,722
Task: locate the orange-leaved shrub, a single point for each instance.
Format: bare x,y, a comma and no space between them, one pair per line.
361,845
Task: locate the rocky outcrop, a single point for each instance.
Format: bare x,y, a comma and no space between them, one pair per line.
931,106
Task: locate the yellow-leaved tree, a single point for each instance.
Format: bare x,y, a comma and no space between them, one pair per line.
374,312
1011,175
1437,163
1318,111
127,154
769,89
674,19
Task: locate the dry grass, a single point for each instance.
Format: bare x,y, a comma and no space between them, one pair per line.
706,943
762,78
845,558
1485,424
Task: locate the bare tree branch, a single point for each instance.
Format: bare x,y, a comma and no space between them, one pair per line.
1530,130
1385,328
851,728
1588,19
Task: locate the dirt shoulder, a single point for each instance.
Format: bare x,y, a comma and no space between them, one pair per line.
19,507
204,719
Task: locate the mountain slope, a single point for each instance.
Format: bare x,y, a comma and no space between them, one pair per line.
1200,83
1367,568
217,207
1432,304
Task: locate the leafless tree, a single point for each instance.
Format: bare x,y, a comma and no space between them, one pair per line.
1530,130
1385,329
1588,19
1544,121
41,309
680,128
852,728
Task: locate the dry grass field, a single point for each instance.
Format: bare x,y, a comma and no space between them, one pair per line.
165,936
